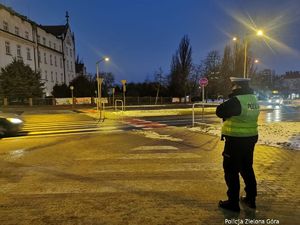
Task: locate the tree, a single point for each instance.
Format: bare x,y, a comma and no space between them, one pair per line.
83,86
212,65
61,91
226,71
108,83
180,68
18,80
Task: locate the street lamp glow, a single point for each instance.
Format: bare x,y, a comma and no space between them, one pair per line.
106,59
259,33
256,61
234,38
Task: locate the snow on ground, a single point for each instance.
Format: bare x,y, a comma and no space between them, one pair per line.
278,134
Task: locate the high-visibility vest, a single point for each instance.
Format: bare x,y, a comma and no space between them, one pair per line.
244,125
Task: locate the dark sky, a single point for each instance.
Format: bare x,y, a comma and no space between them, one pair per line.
142,35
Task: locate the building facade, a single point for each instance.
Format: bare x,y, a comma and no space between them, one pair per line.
47,49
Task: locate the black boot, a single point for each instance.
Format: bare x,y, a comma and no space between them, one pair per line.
229,205
248,202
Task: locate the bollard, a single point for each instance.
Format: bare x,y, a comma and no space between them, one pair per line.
30,102
5,102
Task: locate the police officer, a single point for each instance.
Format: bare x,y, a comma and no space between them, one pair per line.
239,129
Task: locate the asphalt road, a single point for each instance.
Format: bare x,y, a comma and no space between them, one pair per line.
167,175
269,115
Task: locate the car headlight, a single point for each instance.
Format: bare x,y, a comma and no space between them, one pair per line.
15,120
269,100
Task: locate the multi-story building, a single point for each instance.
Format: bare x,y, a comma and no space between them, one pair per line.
47,49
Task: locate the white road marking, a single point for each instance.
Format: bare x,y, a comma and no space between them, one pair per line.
156,147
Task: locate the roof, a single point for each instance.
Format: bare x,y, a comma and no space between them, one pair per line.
56,30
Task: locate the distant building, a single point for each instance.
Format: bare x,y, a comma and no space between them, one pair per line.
291,83
48,49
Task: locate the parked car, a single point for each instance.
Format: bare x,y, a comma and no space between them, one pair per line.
10,124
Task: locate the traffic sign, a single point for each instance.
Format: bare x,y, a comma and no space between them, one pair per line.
203,81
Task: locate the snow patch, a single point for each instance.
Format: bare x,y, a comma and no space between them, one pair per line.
154,135
278,134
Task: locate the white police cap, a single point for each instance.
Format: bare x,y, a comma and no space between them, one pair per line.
239,79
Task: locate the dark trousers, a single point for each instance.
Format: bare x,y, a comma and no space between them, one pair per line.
238,158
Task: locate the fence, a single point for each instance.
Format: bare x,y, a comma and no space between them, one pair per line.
90,101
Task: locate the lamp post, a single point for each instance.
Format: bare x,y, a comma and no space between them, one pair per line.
72,88
246,39
99,81
124,91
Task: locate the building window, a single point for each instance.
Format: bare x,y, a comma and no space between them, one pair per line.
71,52
54,46
60,48
17,31
49,44
45,58
61,64
51,60
38,39
5,26
67,64
67,51
46,75
44,41
28,54
71,65
7,48
55,63
52,80
26,35
19,53
39,56
56,78
62,78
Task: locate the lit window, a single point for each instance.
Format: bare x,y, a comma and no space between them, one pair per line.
28,54
5,26
7,48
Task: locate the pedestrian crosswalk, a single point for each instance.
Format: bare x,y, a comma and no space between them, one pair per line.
144,124
58,124
48,124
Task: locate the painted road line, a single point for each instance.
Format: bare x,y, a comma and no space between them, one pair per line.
63,134
155,147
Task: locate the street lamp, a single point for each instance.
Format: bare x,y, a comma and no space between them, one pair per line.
72,88
99,81
246,39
